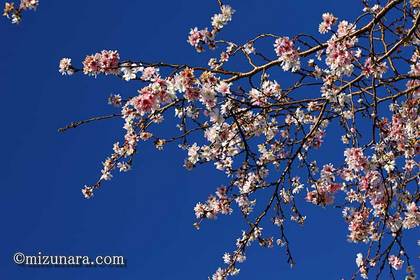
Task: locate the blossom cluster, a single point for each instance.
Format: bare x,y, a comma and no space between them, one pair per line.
325,187
328,20
287,53
220,20
200,38
106,62
15,13
376,70
237,256
214,205
151,97
340,55
65,67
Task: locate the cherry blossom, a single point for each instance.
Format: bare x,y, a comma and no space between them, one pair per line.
395,262
65,67
287,54
15,13
375,70
106,62
328,21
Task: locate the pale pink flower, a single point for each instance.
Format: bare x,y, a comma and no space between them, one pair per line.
106,62
355,159
339,58
345,28
150,74
92,64
198,38
29,4
412,216
65,67
287,53
359,225
87,192
223,88
220,20
376,70
395,262
145,102
327,23
110,62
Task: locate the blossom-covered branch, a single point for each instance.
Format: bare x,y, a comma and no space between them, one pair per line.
361,78
14,13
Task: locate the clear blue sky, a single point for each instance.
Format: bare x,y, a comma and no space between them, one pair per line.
147,214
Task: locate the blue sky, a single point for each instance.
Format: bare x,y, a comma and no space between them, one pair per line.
145,215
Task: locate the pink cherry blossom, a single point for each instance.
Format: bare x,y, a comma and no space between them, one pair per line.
395,262
328,21
287,53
